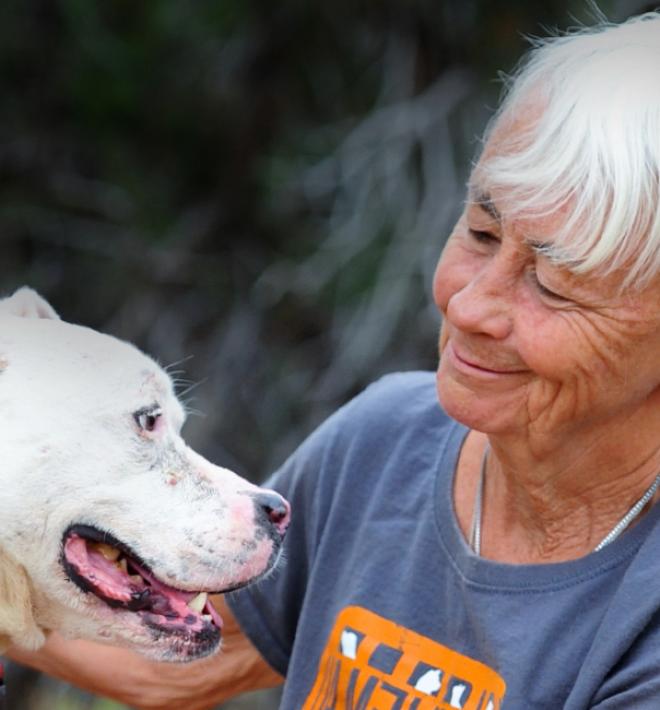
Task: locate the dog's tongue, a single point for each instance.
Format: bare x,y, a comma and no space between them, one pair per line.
103,574
111,582
123,583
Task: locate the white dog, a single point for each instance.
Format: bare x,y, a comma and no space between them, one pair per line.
111,528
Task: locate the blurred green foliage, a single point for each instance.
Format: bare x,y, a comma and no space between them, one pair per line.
262,186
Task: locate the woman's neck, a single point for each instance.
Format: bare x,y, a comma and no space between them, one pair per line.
544,503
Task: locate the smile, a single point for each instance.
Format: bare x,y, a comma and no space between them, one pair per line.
468,366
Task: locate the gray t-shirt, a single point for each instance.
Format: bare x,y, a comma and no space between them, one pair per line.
380,602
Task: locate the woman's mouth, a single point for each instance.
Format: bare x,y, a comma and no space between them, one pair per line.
470,365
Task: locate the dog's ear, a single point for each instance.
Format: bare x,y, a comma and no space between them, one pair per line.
17,623
27,303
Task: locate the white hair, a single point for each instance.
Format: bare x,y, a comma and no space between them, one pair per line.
592,148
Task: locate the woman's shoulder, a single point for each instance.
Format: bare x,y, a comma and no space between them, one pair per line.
399,395
397,406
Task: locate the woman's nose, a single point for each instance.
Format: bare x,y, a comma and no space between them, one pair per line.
483,305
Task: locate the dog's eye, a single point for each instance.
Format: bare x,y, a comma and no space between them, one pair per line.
147,419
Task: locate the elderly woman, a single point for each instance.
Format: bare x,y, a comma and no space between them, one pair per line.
503,551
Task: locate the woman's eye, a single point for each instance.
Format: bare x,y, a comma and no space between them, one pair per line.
544,291
482,236
147,420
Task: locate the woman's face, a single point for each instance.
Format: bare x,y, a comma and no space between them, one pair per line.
526,344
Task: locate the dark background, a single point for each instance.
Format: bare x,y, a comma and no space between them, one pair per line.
256,190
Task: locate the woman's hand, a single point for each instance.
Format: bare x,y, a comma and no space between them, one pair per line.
129,678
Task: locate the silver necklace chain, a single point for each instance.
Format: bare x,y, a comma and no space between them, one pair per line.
635,510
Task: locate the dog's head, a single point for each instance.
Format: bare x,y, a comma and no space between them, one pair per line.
111,528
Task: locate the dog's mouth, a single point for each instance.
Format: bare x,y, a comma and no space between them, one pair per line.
99,564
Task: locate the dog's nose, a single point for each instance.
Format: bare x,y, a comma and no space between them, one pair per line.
275,509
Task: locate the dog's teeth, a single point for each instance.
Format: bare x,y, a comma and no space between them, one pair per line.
207,617
135,578
198,602
110,553
122,566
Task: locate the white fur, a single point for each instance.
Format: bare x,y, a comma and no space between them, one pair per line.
72,452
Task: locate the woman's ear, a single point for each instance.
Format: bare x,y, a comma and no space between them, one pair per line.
17,623
27,303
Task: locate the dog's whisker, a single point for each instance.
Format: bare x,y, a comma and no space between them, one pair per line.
193,386
195,412
178,381
167,368
175,375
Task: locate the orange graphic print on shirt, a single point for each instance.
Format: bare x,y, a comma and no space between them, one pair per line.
371,663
